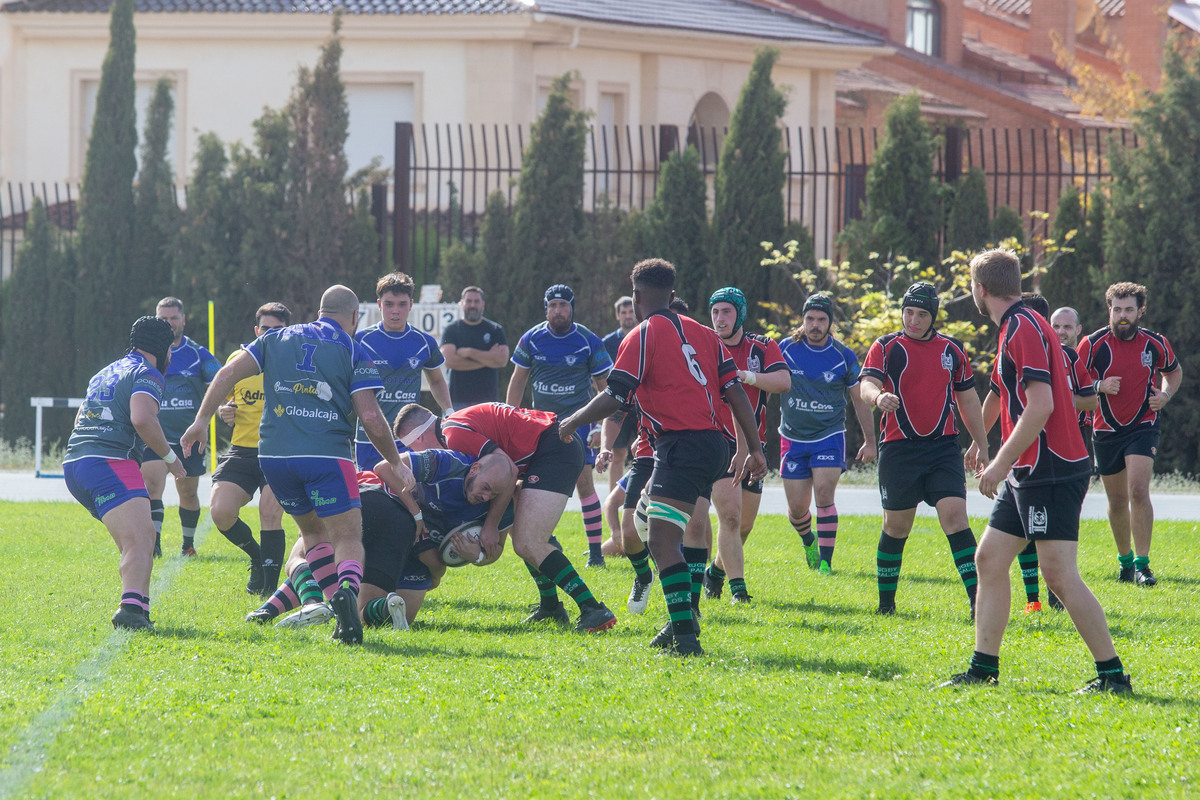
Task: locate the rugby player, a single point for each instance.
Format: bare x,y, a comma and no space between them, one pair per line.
120,408
238,475
762,371
626,321
917,377
403,354
567,365
679,372
192,368
315,378
1038,478
1136,374
813,429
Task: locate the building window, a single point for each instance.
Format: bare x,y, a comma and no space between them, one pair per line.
375,108
924,29
144,93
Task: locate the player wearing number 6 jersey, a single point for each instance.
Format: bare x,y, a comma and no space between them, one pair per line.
679,372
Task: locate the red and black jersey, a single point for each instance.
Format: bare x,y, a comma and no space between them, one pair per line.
514,430
1081,382
924,374
758,354
1138,363
678,369
1029,351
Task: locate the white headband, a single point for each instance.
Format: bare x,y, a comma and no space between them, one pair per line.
408,439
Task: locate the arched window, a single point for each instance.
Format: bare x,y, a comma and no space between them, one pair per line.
924,29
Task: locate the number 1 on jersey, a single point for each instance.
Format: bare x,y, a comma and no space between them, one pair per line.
306,364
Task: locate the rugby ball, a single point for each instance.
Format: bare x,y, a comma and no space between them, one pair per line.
446,550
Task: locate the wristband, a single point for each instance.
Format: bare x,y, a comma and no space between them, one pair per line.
748,377
1096,387
170,457
418,516
480,559
1166,394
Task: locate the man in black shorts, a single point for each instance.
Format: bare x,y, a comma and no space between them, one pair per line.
917,377
1038,477
238,475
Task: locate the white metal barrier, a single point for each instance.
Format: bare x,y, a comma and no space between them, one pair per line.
38,404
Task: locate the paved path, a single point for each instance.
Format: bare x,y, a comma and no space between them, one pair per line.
22,485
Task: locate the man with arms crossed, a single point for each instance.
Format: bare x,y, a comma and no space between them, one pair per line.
1038,478
475,350
1136,374
679,372
316,377
917,377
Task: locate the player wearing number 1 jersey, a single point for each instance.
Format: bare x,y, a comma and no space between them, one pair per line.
1136,373
679,372
917,377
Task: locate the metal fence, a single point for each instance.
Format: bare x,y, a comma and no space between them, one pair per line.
444,174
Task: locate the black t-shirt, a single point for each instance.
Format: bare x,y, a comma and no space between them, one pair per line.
471,387
612,342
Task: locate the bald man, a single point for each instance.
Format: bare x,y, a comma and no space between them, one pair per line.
316,380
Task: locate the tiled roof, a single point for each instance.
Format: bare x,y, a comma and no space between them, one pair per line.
731,17
852,81
1020,8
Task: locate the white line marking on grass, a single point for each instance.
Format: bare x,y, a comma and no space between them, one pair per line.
28,756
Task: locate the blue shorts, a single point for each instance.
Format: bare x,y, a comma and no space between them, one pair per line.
102,484
366,456
584,432
194,465
415,576
302,484
798,459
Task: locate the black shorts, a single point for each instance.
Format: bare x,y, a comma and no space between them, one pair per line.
1046,511
687,464
388,535
749,484
1111,449
639,476
912,471
240,466
728,471
628,431
555,464
196,464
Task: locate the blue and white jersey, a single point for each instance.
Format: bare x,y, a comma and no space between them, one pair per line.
561,368
310,372
815,406
103,426
441,477
400,358
191,370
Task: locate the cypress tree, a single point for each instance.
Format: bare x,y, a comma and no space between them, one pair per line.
547,219
1070,279
1007,225
748,198
1152,235
157,220
34,296
107,206
967,228
677,222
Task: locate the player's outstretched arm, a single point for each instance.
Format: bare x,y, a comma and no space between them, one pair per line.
400,478
143,414
755,464
601,406
240,367
516,386
971,413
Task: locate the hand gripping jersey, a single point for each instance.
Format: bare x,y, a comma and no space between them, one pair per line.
479,429
678,369
925,375
103,427
759,355
1029,351
400,358
1138,363
815,407
191,369
561,368
309,373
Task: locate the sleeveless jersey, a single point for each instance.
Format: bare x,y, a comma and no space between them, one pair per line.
561,368
925,375
103,426
309,373
677,369
815,406
191,369
400,358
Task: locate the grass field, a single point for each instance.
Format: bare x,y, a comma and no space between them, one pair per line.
804,694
